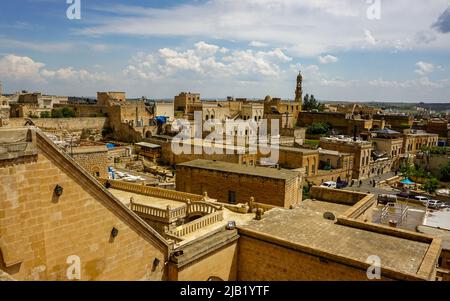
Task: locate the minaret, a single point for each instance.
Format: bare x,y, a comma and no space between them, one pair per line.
299,90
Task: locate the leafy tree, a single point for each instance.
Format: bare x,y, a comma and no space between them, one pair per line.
431,185
319,128
32,115
63,113
310,103
57,113
445,173
45,114
68,112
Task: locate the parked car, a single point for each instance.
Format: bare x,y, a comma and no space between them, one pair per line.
403,194
329,185
385,199
423,199
435,204
342,184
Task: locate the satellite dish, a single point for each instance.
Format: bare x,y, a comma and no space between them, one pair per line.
330,216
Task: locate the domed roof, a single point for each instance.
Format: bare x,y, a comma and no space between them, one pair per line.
268,98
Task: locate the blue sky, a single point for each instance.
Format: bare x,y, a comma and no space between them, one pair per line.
353,50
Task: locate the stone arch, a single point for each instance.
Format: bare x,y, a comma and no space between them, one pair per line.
214,278
95,171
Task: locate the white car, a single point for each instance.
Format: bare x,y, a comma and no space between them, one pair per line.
435,204
329,185
422,199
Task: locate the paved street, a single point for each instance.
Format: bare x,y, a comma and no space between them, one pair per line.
368,187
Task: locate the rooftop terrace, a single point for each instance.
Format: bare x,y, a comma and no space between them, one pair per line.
281,174
305,226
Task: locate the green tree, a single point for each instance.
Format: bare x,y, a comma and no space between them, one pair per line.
57,113
68,112
310,103
319,128
445,173
45,114
431,185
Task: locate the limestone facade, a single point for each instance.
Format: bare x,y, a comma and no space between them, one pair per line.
94,159
234,183
45,232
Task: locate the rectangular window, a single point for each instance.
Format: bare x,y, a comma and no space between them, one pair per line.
231,197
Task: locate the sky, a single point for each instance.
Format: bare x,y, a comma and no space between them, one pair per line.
347,50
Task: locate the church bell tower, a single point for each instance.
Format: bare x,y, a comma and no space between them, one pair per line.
299,90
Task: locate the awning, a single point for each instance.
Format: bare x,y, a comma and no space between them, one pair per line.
407,182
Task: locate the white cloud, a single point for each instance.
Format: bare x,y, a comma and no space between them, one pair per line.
424,68
207,49
20,68
258,44
207,61
48,47
306,28
25,69
327,59
370,39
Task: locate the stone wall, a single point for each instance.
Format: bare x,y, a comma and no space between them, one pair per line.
219,185
94,162
40,229
170,158
333,175
68,124
260,260
221,264
346,197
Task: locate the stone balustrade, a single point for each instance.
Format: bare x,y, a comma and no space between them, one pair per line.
203,207
167,215
154,191
196,225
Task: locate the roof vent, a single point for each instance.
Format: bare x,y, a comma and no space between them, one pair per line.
330,216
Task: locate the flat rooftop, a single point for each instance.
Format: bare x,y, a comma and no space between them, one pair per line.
306,151
88,149
148,145
332,152
439,219
306,226
265,172
124,197
441,233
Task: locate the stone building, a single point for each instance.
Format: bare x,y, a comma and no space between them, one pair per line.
325,239
165,109
361,151
54,216
182,101
438,126
33,104
341,123
193,150
397,122
414,141
333,166
234,183
4,111
94,159
293,158
129,120
388,143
